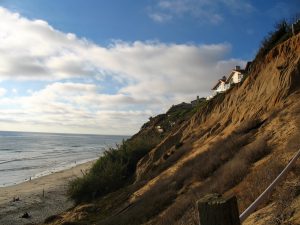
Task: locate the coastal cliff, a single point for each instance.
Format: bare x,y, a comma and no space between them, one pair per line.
233,144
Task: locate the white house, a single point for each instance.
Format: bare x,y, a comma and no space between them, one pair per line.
220,86
235,76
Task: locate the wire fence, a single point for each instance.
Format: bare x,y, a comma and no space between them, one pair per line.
214,210
263,197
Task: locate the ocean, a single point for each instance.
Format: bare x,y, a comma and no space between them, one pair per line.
26,155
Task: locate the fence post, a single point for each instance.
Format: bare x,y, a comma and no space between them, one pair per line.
214,210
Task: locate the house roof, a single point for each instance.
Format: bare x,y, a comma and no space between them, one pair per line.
226,80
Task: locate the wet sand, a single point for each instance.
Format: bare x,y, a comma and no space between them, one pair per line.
41,197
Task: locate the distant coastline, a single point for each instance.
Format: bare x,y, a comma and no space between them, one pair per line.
27,155
75,134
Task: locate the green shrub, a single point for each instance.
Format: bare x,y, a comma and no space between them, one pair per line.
113,170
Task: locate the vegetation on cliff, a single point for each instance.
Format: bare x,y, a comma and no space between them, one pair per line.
113,170
282,31
116,167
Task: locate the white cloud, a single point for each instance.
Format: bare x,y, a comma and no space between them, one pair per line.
239,6
160,17
32,49
55,109
2,92
206,11
152,76
14,91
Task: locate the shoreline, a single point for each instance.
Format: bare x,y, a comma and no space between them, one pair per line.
50,171
41,197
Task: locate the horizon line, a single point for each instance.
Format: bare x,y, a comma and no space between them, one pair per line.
43,132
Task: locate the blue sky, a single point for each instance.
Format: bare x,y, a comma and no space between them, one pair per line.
106,66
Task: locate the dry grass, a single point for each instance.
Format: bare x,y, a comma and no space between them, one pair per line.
176,210
168,160
222,167
257,181
233,171
149,205
205,164
283,211
294,142
248,125
229,175
255,150
284,196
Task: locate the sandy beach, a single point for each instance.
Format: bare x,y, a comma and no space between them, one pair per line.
32,200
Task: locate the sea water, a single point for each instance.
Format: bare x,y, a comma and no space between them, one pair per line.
25,155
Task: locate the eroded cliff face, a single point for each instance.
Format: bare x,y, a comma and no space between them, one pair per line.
268,98
271,86
235,143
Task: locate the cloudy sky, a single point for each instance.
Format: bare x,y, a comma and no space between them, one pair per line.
105,67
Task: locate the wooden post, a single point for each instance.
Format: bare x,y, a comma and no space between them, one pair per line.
214,210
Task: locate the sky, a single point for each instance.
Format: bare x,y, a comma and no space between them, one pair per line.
105,67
